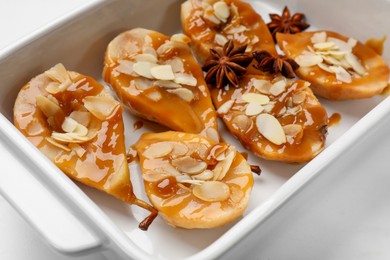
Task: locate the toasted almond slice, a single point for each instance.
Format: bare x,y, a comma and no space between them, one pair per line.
212,18
149,50
340,44
158,150
154,176
319,37
220,39
47,107
269,107
354,62
80,129
193,182
183,93
242,122
337,54
145,57
212,191
55,143
165,48
80,151
185,79
58,73
253,109
352,42
162,72
212,134
278,87
325,67
222,167
235,29
70,137
183,178
166,84
204,176
53,99
299,97
308,60
255,98
221,10
293,110
331,60
324,46
262,85
180,37
69,125
176,64
101,107
179,149
54,87
341,74
225,107
143,68
143,83
270,128
82,117
125,67
189,165
292,129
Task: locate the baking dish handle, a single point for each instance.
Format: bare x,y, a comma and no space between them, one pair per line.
38,204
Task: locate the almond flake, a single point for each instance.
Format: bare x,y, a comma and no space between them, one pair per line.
162,72
331,60
354,62
183,93
69,125
352,42
55,143
70,137
340,44
145,57
253,109
176,64
189,165
47,107
222,167
165,48
225,107
319,37
154,176
143,83
158,150
212,134
270,128
278,87
236,29
101,107
183,178
82,117
149,50
262,85
179,37
255,98
204,176
143,68
341,74
269,107
220,39
308,60
292,129
221,10
212,191
324,46
212,18
125,67
58,73
299,97
154,95
242,122
179,149
185,79
166,84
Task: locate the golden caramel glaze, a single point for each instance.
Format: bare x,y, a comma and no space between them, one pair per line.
307,114
150,99
243,25
326,84
177,198
99,162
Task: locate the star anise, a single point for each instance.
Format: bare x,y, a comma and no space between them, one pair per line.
275,64
287,23
226,65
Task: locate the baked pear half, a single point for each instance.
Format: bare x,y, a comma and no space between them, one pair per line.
337,67
211,23
274,117
77,124
193,181
157,78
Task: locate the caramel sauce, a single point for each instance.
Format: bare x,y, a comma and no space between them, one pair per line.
138,125
334,119
166,187
132,155
376,44
386,91
245,155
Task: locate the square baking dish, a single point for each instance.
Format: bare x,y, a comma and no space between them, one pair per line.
75,219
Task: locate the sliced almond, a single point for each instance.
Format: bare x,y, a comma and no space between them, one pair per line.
270,128
176,64
308,60
299,97
183,178
253,109
212,191
143,68
101,107
269,107
80,129
82,117
242,122
149,50
70,137
340,44
220,39
54,87
211,18
69,125
319,37
165,48
204,176
55,143
189,165
325,67
145,57
179,37
80,151
212,134
324,46
278,87
292,131
179,149
352,42
154,95
222,167
354,62
58,73
166,84
53,99
47,107
221,10
255,98
225,107
125,67
143,83
185,79
341,74
262,85
183,93
162,72
158,150
154,176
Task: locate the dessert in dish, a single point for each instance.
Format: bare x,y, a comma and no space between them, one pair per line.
211,23
193,181
338,67
77,124
158,79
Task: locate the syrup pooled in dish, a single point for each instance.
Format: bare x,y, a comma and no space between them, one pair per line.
211,23
193,181
78,125
337,66
158,79
274,117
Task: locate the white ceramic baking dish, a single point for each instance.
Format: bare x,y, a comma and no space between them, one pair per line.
75,219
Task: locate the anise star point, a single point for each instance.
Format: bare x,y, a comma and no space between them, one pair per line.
275,64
